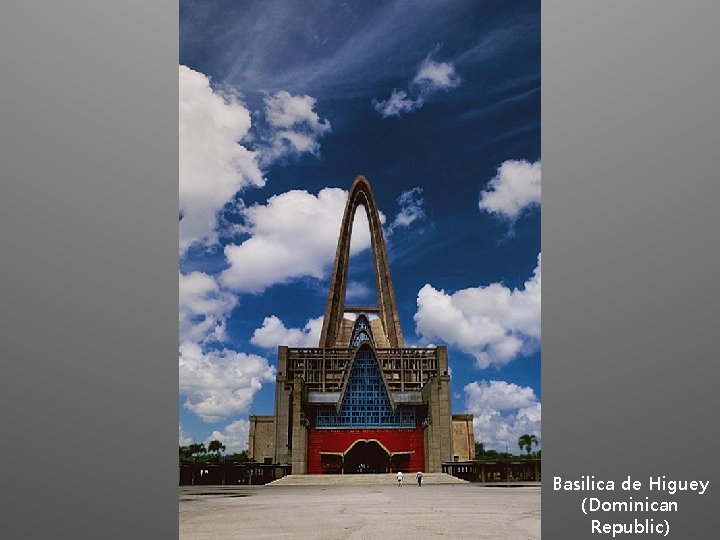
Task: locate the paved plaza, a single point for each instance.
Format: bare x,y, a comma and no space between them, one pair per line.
382,511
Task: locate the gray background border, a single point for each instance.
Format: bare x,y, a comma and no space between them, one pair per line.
88,218
631,134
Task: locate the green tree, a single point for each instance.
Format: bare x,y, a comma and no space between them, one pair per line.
197,449
526,442
185,453
241,457
217,447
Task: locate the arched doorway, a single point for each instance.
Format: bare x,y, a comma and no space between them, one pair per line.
366,457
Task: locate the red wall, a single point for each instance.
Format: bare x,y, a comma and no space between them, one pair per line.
339,440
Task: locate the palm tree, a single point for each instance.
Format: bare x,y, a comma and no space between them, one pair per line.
217,447
526,442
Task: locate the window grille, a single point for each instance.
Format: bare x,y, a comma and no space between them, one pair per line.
366,402
361,332
359,338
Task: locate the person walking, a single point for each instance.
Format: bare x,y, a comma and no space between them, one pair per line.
418,476
399,478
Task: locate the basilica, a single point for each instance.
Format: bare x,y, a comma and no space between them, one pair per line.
361,401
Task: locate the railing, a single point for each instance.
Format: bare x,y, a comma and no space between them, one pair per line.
528,470
230,473
324,370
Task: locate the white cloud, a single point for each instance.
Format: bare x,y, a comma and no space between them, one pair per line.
284,110
514,188
436,75
411,209
357,290
498,395
502,413
213,165
295,234
183,438
217,384
296,126
215,161
234,436
431,77
493,323
273,333
396,104
203,308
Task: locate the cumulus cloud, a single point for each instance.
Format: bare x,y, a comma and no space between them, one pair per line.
494,323
215,383
296,127
234,436
431,77
220,383
411,209
216,161
515,188
295,234
498,395
204,307
273,333
213,164
502,412
183,438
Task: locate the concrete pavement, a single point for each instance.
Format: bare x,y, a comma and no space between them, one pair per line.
360,512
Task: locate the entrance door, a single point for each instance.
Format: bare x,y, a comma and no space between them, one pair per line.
366,457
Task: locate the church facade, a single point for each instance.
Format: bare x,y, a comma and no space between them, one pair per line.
361,401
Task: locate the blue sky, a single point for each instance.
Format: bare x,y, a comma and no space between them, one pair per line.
282,104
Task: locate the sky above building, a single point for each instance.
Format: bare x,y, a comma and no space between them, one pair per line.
282,105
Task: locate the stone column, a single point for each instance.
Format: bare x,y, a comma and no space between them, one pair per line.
299,431
445,399
432,431
251,438
445,418
282,410
438,434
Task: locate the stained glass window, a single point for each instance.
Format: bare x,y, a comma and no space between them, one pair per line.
361,331
359,338
366,402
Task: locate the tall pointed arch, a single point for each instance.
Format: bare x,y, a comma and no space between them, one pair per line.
361,332
361,194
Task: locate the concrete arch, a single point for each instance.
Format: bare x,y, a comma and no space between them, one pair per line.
388,452
355,333
370,452
361,194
